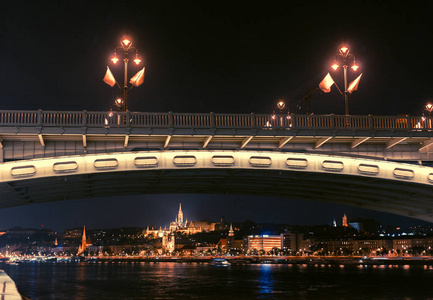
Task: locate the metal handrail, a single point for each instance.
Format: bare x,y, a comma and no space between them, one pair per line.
211,120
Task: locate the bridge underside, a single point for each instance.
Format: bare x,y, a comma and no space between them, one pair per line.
406,199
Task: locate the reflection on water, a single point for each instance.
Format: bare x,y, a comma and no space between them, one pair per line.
266,279
128,280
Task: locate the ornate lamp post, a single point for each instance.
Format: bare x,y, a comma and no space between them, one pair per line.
429,108
281,106
344,57
124,49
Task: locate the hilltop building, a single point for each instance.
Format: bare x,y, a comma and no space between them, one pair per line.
181,226
344,221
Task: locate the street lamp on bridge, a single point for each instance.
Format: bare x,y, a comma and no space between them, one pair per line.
429,108
124,49
344,57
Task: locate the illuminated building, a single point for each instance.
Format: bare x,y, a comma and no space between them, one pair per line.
168,242
263,242
344,223
178,223
365,246
181,226
230,237
85,242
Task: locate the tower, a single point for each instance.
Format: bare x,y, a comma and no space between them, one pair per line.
230,237
168,242
180,214
345,221
83,247
334,223
231,231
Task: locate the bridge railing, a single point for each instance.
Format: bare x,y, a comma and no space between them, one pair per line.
211,120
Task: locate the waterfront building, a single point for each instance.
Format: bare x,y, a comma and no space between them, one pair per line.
293,242
361,246
262,243
403,245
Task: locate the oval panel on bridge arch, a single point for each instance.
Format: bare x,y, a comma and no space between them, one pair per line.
146,162
185,160
404,173
333,165
65,167
297,163
106,164
23,171
368,169
430,177
260,161
223,160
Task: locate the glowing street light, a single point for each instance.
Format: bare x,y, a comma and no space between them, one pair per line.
344,57
125,47
429,108
281,105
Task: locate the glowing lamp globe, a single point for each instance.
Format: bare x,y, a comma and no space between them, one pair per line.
126,43
344,49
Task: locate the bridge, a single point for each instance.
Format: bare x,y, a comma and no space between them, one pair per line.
375,162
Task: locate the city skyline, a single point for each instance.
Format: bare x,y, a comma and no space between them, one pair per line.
162,212
203,57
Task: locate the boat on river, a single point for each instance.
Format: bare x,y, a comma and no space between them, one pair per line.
219,262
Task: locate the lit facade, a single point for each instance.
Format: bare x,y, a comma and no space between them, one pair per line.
263,242
181,226
344,221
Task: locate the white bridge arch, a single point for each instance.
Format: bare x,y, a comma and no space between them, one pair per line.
399,188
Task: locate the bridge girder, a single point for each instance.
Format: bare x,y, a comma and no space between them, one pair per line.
392,187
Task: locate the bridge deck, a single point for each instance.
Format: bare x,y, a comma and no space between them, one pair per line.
36,134
53,149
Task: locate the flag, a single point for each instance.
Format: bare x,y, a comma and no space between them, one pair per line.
326,83
109,78
353,86
138,78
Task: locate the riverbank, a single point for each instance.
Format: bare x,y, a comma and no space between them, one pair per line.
238,260
8,289
285,260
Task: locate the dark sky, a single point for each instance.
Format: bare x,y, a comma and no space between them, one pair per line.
203,56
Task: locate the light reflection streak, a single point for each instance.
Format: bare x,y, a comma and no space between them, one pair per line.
266,279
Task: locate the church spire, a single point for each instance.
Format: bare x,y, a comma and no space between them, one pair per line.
231,231
180,214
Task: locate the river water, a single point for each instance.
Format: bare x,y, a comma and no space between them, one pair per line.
140,280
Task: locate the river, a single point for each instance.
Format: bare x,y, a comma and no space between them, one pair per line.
165,280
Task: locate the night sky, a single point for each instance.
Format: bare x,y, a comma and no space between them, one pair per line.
209,56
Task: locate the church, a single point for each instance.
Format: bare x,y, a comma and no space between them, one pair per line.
181,226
